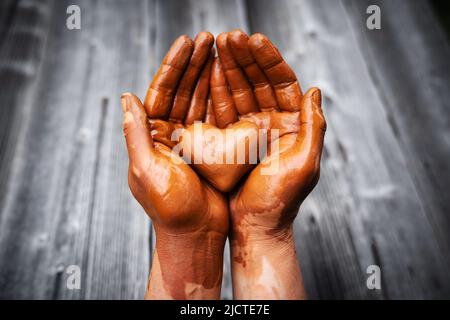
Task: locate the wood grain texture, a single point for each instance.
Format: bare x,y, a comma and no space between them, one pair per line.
369,207
382,198
68,201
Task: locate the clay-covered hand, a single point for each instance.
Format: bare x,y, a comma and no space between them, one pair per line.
252,82
189,216
265,90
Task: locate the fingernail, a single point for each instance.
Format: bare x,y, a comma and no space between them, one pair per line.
126,102
317,97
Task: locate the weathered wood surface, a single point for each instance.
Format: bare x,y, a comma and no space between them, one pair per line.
383,196
66,200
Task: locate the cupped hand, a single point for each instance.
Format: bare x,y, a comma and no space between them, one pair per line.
252,82
172,194
190,216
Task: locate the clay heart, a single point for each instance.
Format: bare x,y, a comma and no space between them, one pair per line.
222,156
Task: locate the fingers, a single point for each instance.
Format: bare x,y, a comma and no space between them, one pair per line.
238,45
280,75
159,98
202,48
210,117
241,90
312,127
224,109
197,107
136,131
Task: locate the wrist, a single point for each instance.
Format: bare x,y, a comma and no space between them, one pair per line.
258,242
186,266
266,266
250,233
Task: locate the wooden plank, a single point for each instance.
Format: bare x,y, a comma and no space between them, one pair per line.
67,200
118,251
413,79
20,55
367,208
7,12
17,67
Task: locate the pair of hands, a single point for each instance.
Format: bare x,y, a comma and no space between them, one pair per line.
194,207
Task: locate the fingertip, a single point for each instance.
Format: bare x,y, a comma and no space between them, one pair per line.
125,101
134,105
221,39
237,32
126,94
205,36
315,94
180,52
221,44
238,38
135,101
184,40
203,42
130,100
257,40
238,42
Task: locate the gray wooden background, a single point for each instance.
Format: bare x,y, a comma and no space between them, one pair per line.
383,197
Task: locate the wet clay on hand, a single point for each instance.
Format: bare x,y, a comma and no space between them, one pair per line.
263,89
190,216
213,152
253,83
221,156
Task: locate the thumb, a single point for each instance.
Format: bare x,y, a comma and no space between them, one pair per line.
136,131
312,127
